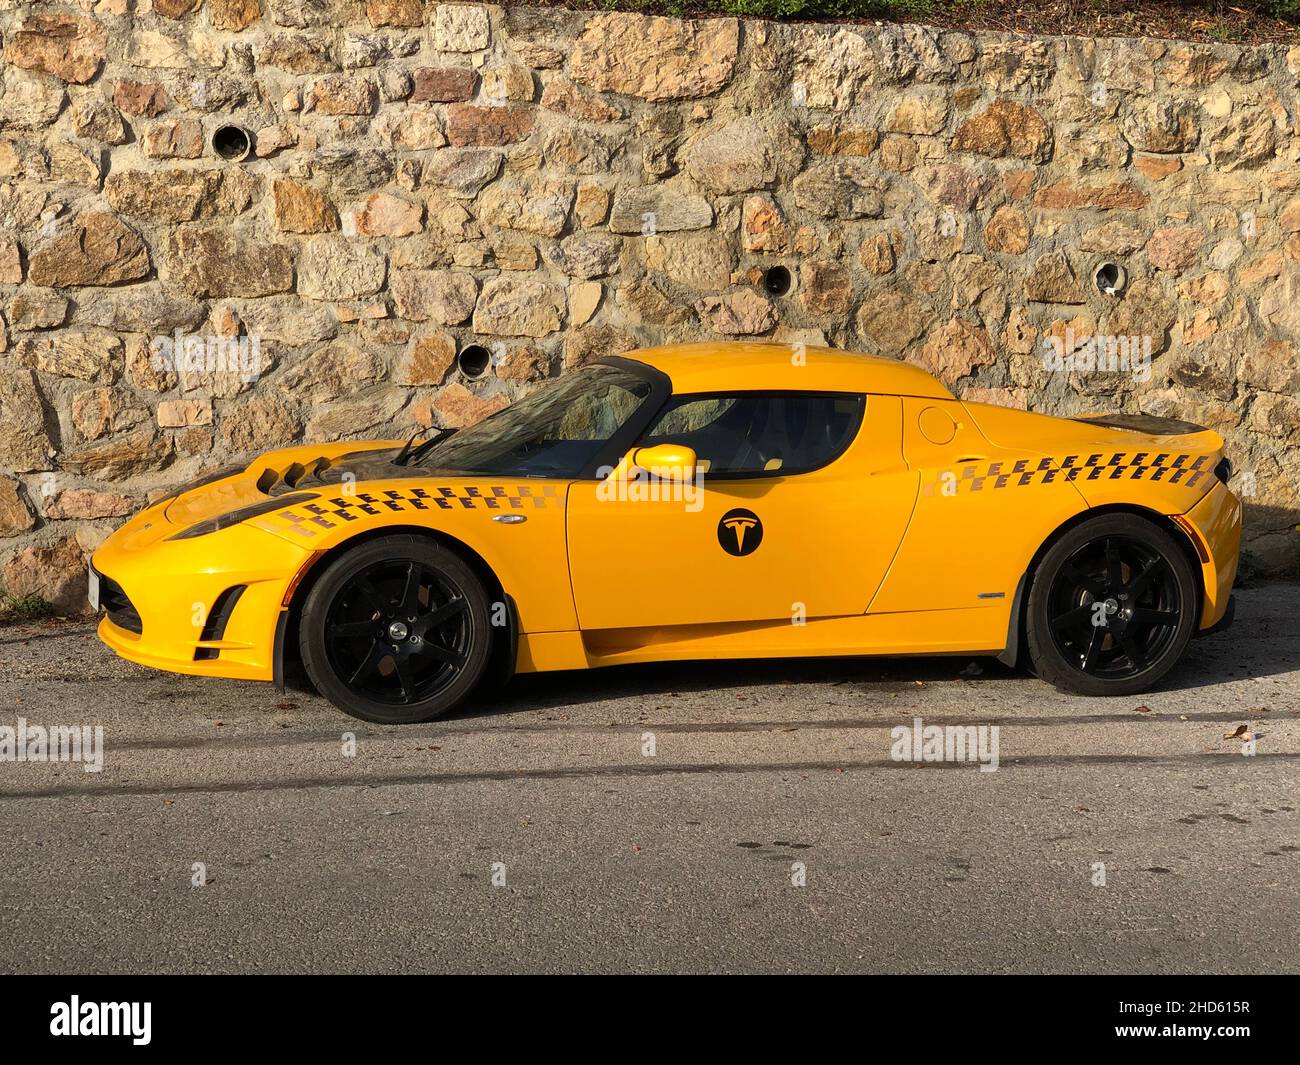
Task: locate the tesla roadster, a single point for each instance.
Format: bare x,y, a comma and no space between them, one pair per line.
688,502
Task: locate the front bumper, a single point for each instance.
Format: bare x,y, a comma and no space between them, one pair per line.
184,600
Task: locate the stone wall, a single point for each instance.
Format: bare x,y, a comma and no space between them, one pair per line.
557,185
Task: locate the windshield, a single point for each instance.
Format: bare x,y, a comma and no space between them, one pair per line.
555,432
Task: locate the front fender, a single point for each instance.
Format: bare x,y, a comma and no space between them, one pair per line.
527,552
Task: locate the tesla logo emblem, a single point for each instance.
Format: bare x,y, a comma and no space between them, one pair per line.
740,532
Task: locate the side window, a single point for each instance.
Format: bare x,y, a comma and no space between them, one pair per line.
767,432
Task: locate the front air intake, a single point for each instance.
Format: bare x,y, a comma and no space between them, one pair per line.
215,627
120,610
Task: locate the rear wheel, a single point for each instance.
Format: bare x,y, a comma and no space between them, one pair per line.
1112,606
396,631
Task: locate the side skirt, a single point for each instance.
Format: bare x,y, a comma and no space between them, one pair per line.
980,630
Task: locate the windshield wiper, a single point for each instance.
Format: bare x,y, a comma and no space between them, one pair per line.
405,449
408,454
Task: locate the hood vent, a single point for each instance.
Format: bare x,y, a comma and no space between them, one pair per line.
277,482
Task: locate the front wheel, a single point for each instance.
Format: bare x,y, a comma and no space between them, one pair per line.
396,631
1111,608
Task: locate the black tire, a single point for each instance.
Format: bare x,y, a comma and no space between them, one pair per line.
396,631
1111,608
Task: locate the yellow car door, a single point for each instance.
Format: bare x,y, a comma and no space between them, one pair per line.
798,507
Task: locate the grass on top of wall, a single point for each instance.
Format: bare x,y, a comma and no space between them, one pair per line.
1243,21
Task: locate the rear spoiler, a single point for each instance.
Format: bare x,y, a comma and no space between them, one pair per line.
1142,423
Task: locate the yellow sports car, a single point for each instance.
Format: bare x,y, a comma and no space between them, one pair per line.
689,502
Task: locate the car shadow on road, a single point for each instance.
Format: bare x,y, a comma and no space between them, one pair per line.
541,691
1263,641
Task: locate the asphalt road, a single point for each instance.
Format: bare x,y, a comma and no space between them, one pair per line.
534,832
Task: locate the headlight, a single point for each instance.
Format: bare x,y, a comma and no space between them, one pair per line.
234,517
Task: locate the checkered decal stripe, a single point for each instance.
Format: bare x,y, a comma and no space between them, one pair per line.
306,518
1135,466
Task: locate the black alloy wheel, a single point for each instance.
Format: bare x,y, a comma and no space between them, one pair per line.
396,631
1112,606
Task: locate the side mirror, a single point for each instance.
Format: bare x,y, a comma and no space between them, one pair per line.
668,462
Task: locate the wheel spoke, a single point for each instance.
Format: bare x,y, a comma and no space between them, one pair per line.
411,591
1139,584
1163,618
442,654
1114,567
1094,648
1072,619
430,621
368,664
404,678
370,592
350,630
1083,580
1134,652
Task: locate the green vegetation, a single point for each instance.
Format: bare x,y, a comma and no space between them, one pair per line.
1215,13
23,607
916,9
810,9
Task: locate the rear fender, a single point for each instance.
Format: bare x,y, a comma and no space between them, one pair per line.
1167,472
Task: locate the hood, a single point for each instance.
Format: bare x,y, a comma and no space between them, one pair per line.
280,472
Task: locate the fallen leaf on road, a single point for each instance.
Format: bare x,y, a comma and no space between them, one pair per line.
1239,733
1143,709
286,705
